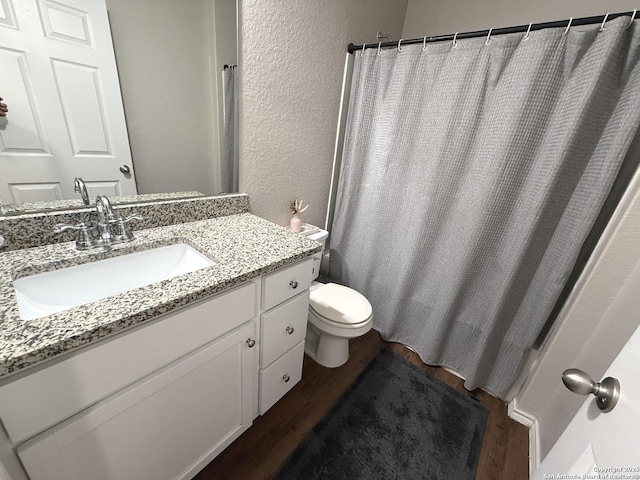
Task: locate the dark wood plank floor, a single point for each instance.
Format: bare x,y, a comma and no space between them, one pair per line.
260,451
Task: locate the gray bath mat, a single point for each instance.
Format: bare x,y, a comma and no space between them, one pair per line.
394,422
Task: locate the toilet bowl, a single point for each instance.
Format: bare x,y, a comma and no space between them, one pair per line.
336,314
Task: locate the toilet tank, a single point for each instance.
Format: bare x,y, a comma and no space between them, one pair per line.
318,235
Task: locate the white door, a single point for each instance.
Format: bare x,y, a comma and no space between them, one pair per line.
604,443
66,119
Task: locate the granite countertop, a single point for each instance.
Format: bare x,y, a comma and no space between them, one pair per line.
27,207
243,246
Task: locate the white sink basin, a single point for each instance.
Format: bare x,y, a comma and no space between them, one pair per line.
50,292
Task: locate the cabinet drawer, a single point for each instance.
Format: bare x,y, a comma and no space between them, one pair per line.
40,399
280,377
284,284
283,327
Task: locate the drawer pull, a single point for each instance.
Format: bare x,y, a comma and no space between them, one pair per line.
286,378
251,342
290,330
293,284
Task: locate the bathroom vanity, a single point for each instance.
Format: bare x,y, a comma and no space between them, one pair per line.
153,383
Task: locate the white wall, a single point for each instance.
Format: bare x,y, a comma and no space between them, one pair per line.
291,63
543,397
164,55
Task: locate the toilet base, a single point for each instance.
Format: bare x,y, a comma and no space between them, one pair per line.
327,350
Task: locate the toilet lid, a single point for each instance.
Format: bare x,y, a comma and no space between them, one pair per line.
340,304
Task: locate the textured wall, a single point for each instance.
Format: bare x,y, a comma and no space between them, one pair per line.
292,60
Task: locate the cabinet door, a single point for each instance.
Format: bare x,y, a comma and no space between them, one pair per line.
167,426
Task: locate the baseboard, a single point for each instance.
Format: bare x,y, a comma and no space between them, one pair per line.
529,421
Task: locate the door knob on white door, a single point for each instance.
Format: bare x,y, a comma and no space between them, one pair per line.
607,392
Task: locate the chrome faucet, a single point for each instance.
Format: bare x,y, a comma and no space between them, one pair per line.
110,229
106,218
80,187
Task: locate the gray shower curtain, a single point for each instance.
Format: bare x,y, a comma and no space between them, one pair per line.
471,176
229,163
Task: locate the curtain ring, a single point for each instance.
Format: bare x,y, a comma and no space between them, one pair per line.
362,52
633,17
399,42
379,45
488,36
455,40
526,35
603,22
566,30
424,44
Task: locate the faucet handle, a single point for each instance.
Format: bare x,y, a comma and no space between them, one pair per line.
123,232
62,227
84,241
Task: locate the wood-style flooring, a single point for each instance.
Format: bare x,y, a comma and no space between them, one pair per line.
260,451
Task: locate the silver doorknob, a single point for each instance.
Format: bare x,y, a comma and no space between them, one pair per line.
286,378
607,392
289,330
251,342
293,284
125,169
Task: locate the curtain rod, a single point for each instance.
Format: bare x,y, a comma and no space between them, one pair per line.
497,31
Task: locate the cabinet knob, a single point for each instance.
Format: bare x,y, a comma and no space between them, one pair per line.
251,342
293,284
286,378
290,330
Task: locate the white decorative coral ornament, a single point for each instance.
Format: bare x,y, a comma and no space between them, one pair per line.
296,208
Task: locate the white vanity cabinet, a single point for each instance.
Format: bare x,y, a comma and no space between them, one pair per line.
161,400
158,402
285,306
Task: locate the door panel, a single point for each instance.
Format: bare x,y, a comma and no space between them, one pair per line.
28,139
35,192
7,17
63,22
83,106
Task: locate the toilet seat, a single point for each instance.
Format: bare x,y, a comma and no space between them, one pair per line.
340,306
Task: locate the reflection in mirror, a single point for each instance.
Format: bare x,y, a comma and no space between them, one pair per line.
170,59
59,205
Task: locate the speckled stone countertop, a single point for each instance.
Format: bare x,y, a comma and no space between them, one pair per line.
243,245
37,229
29,207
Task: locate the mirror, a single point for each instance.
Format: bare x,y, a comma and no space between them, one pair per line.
170,57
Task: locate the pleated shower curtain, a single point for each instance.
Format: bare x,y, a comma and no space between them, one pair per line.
471,175
229,163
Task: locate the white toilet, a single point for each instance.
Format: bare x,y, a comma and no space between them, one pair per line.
336,314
